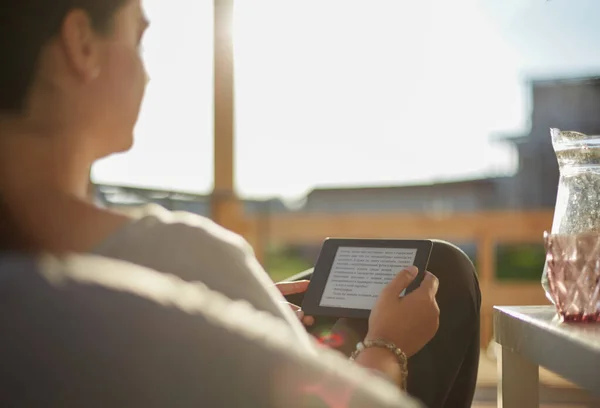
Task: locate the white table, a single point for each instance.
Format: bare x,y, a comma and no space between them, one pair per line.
533,336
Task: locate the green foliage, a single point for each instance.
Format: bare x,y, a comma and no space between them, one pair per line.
283,262
523,262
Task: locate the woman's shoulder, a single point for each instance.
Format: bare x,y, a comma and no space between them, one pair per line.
195,249
154,223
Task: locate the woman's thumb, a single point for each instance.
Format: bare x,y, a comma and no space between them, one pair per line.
402,280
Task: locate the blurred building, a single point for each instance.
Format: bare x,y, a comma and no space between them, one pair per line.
568,104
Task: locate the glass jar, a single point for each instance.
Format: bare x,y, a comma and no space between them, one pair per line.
574,275
577,208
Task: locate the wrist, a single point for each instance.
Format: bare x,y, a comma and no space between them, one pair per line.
382,334
384,357
377,357
401,343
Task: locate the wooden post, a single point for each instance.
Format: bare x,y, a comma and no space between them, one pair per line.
225,206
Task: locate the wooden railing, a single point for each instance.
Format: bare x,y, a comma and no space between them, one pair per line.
485,229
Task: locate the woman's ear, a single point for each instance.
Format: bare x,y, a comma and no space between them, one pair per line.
81,45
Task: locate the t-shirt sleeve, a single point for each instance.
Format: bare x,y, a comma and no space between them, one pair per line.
195,248
92,332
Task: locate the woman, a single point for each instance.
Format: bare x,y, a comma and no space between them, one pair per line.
72,85
93,332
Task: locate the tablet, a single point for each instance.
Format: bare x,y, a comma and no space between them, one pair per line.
350,274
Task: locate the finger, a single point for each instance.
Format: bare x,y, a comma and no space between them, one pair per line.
308,320
430,284
402,280
292,288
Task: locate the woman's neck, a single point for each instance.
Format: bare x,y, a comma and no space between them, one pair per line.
31,161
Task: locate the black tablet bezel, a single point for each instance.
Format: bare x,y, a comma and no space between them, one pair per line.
322,269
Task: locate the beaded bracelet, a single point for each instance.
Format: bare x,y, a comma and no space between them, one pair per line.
400,355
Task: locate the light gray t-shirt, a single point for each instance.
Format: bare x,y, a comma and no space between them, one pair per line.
195,248
97,332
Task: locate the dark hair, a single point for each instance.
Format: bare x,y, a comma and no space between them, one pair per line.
25,27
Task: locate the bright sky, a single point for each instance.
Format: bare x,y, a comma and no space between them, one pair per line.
350,92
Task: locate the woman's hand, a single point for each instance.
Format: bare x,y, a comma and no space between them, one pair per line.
409,321
293,288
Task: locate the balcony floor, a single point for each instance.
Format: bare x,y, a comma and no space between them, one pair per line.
555,392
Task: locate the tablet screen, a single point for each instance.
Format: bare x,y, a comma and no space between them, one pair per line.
359,274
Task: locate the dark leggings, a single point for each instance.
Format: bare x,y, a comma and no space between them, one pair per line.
444,372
